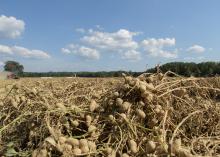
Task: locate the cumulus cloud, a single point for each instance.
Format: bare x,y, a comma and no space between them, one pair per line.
122,40
196,49
155,47
159,43
5,50
132,55
23,52
10,27
88,52
65,50
163,53
82,51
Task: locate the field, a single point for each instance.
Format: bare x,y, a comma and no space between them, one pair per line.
151,115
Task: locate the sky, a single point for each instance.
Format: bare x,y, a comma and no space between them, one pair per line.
97,35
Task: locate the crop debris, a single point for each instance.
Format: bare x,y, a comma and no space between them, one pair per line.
150,115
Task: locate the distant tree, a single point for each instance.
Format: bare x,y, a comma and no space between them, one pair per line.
14,67
203,69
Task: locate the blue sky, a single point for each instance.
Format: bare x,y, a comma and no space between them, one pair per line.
96,35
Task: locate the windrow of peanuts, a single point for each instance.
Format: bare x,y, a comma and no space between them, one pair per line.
150,115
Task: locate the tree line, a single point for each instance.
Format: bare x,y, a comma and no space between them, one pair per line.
79,74
187,69
204,69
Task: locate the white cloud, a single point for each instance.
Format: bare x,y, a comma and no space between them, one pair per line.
122,40
65,51
82,51
88,52
132,55
155,47
5,50
159,43
157,52
196,49
10,27
23,52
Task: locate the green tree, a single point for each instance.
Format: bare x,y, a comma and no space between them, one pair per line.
14,67
203,69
